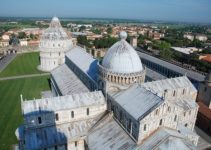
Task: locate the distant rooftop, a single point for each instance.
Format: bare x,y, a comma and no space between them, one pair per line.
191,74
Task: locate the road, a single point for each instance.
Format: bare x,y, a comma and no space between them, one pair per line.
204,139
6,60
24,76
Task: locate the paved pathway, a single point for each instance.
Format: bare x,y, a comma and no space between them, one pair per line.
6,60
204,139
24,76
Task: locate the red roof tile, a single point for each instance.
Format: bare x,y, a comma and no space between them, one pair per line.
204,110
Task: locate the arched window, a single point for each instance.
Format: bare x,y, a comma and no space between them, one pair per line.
129,125
184,114
39,120
161,122
175,118
87,111
169,109
120,115
174,93
145,127
183,91
57,117
156,112
72,114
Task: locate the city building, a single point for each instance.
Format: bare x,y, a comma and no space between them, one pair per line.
35,31
5,36
205,57
155,35
4,43
134,41
204,94
203,118
107,105
169,69
189,36
201,37
187,50
23,42
54,43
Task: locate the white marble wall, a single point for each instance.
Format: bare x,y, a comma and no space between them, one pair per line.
64,116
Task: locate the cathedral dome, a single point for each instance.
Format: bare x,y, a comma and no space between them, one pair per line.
122,58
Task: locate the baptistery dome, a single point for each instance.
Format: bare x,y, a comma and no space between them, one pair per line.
122,58
54,43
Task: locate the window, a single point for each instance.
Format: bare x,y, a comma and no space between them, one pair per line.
120,115
87,111
183,92
145,127
184,114
76,143
72,114
175,118
59,53
156,112
190,112
205,89
186,125
174,93
161,122
39,120
169,108
57,117
129,125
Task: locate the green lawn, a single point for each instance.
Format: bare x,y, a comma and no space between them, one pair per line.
25,63
10,108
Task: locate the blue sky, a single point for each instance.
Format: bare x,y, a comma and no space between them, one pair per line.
168,10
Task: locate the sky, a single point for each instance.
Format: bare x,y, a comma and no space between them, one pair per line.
198,11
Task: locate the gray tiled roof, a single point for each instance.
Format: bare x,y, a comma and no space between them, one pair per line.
137,101
84,61
67,81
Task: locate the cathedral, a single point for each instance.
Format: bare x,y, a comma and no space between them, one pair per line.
106,105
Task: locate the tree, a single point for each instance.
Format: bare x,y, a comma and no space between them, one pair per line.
109,30
14,40
83,40
21,35
165,51
82,28
105,42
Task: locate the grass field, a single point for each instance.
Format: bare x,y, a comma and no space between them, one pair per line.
10,108
23,64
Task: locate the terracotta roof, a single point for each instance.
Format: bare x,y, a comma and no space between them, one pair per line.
207,58
204,110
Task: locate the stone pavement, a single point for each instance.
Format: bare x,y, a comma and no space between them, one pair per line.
204,139
24,76
6,60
